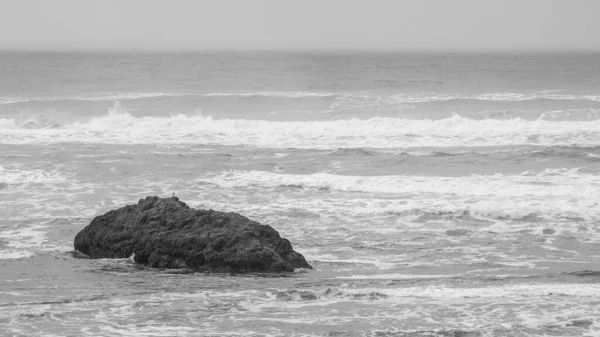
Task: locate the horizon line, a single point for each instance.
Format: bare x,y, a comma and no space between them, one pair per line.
117,50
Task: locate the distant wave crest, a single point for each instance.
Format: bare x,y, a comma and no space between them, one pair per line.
401,98
142,95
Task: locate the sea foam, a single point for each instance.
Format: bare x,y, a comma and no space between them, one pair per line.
522,291
24,177
551,194
548,183
120,127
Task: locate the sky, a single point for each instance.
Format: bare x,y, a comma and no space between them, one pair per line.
300,24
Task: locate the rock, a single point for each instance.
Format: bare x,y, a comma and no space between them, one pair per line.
548,231
166,233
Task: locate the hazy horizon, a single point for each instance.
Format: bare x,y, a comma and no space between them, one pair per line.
384,25
139,50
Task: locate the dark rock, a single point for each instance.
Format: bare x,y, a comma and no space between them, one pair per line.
166,233
548,231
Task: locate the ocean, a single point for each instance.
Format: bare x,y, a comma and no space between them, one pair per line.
435,194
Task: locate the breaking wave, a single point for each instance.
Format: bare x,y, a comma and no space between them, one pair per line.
120,127
505,291
20,177
550,182
425,97
559,194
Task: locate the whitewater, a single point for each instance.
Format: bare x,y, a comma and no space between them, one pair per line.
434,194
120,127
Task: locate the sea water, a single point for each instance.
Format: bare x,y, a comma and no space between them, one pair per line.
435,194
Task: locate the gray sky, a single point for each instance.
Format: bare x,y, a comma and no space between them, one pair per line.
300,24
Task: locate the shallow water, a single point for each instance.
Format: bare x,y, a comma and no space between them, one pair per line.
434,195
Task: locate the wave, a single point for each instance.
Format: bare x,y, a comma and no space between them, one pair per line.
571,115
536,291
8,123
7,254
492,97
413,98
25,241
548,183
118,127
280,94
456,210
38,122
588,154
141,95
342,152
88,98
14,177
519,154
554,194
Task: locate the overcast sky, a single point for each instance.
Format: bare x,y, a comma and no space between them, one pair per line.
300,24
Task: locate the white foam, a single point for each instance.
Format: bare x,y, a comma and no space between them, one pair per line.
144,330
11,100
25,237
283,94
547,183
491,96
30,176
507,291
118,126
15,254
7,123
571,115
374,132
12,293
395,276
551,194
366,261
